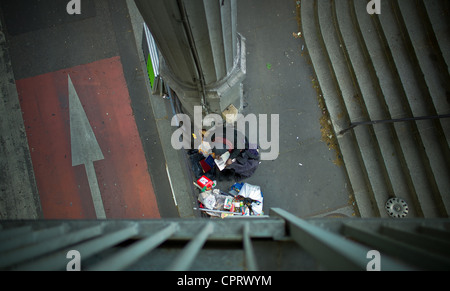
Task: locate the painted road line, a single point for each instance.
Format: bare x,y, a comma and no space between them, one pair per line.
65,171
171,186
95,191
84,146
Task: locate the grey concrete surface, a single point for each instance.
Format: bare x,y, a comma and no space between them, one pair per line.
180,186
305,180
19,198
43,39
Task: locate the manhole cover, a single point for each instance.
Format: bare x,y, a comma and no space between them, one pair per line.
397,207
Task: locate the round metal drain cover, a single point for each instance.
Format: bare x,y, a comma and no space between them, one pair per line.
397,207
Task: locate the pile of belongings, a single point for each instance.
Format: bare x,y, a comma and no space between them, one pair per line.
243,200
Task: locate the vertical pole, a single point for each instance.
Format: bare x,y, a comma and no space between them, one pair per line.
248,249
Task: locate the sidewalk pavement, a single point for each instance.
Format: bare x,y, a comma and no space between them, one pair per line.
181,186
307,179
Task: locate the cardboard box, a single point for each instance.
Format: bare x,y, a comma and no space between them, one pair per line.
230,114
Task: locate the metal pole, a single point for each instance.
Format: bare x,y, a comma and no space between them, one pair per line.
355,124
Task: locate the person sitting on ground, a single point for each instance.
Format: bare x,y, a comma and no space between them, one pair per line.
244,158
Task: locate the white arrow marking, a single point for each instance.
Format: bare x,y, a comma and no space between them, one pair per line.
85,148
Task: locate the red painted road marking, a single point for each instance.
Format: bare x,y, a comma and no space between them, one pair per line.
123,178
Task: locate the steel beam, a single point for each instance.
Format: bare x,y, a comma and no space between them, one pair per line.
57,261
420,257
132,254
250,258
334,251
188,254
33,251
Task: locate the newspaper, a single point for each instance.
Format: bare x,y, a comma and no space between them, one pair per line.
222,161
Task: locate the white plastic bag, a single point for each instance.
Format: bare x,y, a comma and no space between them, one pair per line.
253,192
207,199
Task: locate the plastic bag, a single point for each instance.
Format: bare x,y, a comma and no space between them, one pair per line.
207,199
253,192
213,201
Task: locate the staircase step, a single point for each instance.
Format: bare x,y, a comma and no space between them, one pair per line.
377,109
415,162
424,51
437,87
365,136
410,80
438,12
366,72
376,143
339,117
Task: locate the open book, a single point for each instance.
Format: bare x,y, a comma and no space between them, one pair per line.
222,161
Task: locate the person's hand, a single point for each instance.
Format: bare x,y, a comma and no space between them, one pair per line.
229,162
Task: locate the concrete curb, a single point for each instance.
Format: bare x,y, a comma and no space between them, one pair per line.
174,164
19,197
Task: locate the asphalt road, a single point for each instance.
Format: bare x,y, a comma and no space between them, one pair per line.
97,52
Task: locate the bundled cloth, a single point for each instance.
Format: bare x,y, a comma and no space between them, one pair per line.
246,164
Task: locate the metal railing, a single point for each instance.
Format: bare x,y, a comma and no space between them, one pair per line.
333,244
384,121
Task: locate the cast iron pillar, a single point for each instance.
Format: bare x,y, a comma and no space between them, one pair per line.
203,56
